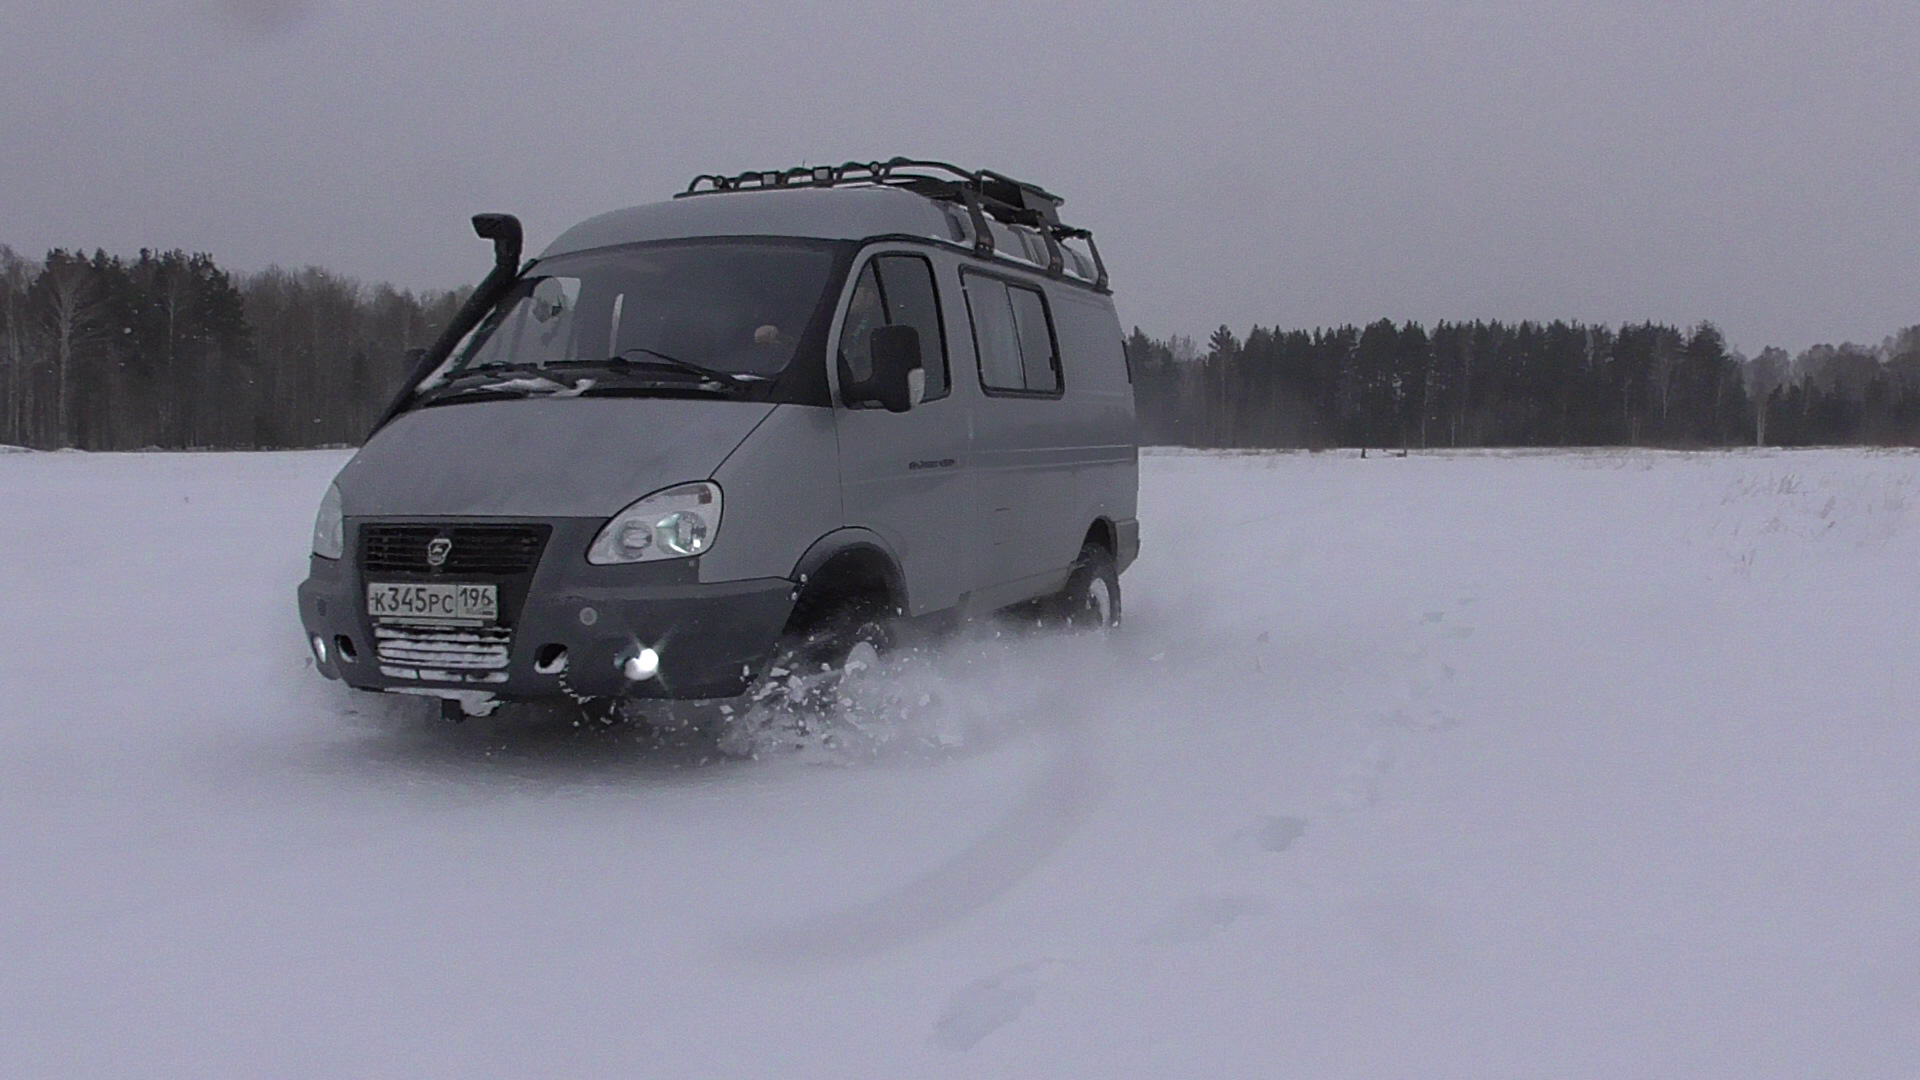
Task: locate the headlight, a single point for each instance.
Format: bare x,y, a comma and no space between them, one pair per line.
671,524
329,528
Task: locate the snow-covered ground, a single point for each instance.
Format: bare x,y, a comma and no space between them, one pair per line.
1478,766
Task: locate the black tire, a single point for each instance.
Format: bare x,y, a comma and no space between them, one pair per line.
799,687
1091,598
827,642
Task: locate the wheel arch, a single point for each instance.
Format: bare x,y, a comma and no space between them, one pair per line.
1105,534
846,563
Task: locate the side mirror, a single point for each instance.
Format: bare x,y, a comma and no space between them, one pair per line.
897,379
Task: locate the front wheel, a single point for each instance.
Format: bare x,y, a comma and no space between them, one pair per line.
805,679
848,638
1091,598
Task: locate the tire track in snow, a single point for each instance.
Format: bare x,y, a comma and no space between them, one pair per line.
984,1006
1054,803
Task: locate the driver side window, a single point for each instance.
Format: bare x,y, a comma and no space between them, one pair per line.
895,290
864,314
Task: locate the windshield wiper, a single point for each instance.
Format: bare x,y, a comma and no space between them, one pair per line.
461,395
470,377
674,363
658,388
519,380
496,381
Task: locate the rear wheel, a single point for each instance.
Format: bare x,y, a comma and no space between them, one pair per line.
1091,598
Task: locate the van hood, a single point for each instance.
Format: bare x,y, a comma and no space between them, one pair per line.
540,457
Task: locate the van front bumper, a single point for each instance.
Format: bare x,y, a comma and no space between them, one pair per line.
711,638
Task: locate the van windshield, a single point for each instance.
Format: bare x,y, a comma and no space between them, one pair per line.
725,313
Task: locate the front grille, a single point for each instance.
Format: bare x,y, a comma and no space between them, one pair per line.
478,655
501,550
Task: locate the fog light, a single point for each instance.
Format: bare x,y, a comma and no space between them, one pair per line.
641,666
319,649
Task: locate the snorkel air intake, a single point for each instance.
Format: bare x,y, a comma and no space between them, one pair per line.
504,230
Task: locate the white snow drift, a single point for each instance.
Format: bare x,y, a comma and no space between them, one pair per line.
1572,765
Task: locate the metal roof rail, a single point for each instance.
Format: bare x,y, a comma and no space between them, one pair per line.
983,192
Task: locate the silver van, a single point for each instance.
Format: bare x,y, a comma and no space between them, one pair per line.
776,418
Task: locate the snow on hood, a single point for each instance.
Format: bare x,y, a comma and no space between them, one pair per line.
541,457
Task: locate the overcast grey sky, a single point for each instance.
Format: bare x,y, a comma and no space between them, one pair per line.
1753,163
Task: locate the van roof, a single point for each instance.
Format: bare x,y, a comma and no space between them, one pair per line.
841,213
990,214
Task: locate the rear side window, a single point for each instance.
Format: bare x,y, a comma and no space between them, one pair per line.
1013,336
1036,340
895,290
995,338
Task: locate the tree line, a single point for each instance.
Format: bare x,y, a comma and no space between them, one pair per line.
1519,384
168,350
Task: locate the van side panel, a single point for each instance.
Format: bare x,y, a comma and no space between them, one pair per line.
781,492
1049,467
1106,480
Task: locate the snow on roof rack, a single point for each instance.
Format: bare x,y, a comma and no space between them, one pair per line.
983,192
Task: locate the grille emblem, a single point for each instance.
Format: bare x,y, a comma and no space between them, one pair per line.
438,549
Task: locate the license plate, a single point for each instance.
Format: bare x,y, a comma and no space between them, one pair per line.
433,604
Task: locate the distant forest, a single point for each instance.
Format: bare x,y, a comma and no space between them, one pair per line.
168,350
1519,384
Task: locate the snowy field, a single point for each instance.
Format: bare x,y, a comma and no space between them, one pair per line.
1591,765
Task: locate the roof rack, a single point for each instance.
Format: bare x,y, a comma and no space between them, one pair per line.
984,193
